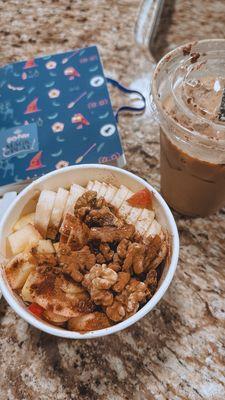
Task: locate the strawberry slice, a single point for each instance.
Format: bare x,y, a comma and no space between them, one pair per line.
36,309
141,199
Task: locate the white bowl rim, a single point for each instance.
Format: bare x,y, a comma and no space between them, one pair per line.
53,330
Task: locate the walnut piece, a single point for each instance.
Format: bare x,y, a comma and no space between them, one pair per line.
122,248
100,277
111,234
74,232
100,259
151,281
152,248
78,237
75,263
136,292
138,260
135,258
128,302
116,312
98,282
102,217
115,266
101,297
123,279
106,251
82,212
87,199
68,223
161,255
117,259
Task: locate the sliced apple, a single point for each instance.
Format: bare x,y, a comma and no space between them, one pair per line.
72,288
45,246
23,221
17,271
89,322
54,318
26,290
23,238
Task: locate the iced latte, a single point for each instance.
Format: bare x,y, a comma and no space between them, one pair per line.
188,86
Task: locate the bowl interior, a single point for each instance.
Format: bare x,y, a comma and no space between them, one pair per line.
26,202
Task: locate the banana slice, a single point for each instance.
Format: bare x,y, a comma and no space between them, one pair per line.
97,187
134,214
57,212
75,192
120,196
43,211
110,193
69,205
125,208
90,185
154,229
22,238
103,190
144,221
23,221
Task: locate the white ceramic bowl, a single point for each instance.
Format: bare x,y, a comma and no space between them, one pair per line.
82,174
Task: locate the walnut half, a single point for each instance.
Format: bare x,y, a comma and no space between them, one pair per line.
127,302
98,282
100,277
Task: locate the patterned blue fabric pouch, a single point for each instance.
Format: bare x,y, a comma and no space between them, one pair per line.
56,111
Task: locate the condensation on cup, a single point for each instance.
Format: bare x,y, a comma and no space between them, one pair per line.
187,91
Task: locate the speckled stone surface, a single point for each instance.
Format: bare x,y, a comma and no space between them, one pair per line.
177,352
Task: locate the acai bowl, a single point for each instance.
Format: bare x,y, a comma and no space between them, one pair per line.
89,250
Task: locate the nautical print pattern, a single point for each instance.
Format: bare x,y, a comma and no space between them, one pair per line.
65,97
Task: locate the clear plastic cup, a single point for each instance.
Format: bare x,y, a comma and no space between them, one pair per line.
187,90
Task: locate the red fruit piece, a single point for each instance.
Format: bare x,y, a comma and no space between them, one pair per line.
141,199
36,309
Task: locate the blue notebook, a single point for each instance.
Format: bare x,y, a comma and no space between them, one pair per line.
55,111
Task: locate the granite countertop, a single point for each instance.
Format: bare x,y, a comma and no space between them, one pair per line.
176,352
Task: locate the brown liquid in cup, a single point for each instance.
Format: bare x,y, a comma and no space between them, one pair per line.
191,186
188,86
